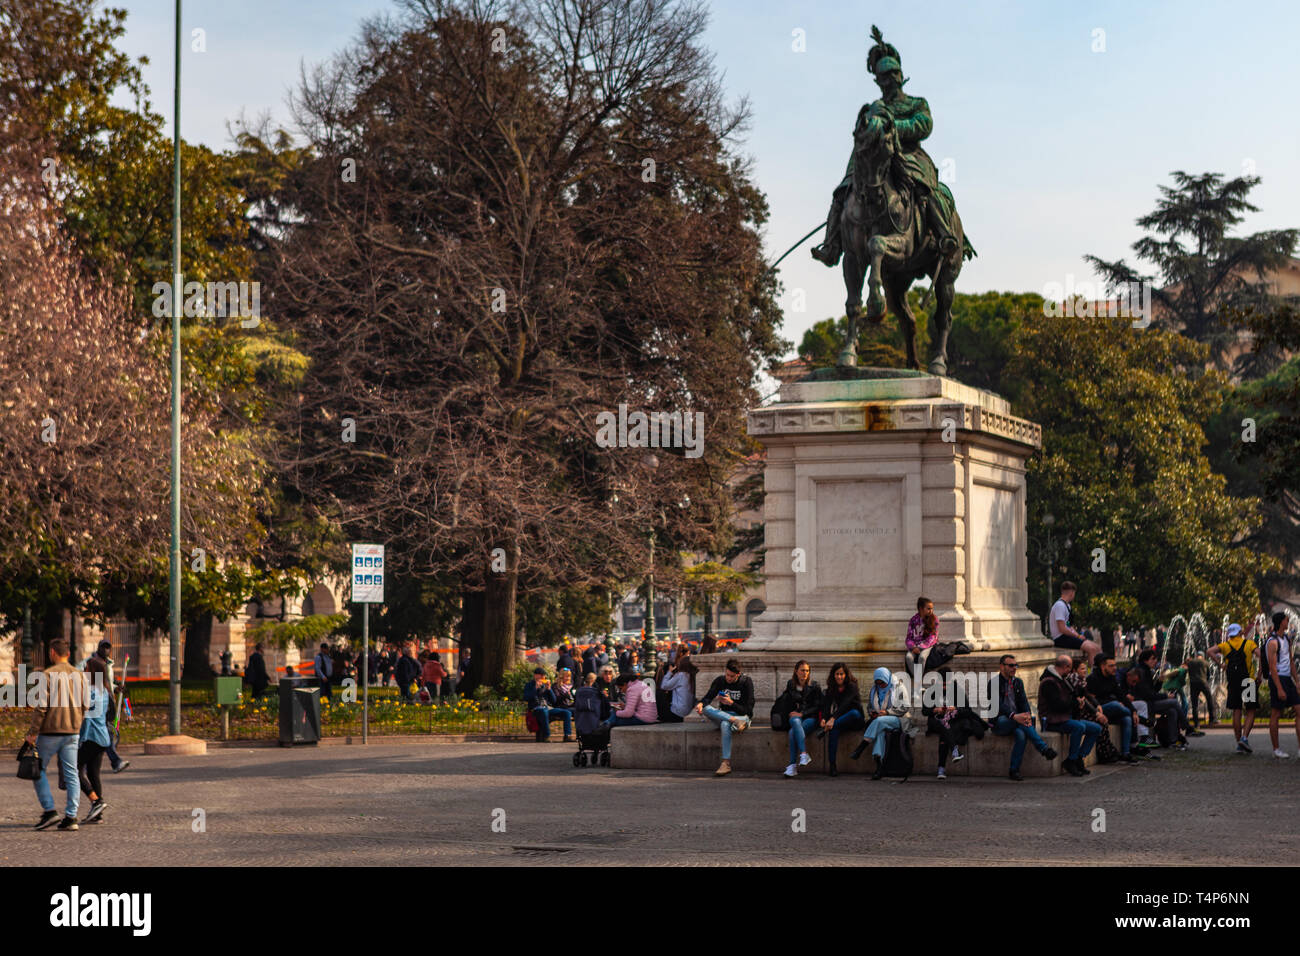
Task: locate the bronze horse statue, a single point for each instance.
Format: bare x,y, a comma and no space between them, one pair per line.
886,244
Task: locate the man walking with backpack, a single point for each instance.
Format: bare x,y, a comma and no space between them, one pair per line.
1237,656
1275,667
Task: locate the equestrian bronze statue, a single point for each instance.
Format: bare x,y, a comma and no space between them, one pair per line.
891,219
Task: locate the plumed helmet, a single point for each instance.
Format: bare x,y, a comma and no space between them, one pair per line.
883,56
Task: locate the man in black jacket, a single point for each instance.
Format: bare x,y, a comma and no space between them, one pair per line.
1058,707
1103,683
1014,716
255,672
1158,703
729,704
565,660
407,669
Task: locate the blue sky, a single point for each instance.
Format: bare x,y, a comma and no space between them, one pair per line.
1054,148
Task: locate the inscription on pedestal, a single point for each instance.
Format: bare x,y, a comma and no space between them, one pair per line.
859,534
994,546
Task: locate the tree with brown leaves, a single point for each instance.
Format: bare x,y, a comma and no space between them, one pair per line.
517,217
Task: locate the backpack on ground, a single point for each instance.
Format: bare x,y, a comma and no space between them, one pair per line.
1166,728
898,755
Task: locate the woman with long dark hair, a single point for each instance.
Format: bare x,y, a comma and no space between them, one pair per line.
679,681
840,710
801,701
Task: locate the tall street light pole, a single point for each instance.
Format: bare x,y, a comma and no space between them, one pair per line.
648,644
174,574
1049,550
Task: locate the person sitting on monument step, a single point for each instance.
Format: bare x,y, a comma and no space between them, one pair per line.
840,710
1014,717
941,720
1089,708
1063,635
800,703
734,708
1059,709
1160,706
922,635
887,710
640,706
1104,685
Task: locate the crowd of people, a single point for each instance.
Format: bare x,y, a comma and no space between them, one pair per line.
421,675
1080,696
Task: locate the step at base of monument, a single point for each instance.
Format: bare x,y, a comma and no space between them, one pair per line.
696,745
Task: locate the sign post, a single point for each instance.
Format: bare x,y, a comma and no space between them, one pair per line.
367,589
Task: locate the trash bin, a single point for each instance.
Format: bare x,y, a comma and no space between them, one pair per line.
299,711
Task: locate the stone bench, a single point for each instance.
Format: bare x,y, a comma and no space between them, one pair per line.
696,745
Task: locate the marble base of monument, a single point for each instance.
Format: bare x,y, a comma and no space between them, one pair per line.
695,746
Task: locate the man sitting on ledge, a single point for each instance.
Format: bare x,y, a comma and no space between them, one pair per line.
734,693
1059,708
1014,716
1103,683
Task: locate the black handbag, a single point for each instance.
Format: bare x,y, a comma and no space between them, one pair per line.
29,762
780,714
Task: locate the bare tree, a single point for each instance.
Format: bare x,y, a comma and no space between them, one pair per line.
516,217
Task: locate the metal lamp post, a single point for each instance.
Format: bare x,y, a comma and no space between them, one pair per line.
1049,549
174,572
648,642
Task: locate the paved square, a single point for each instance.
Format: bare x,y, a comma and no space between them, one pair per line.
432,803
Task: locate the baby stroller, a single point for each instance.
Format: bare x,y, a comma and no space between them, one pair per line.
592,737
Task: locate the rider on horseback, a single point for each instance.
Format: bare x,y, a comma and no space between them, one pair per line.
910,117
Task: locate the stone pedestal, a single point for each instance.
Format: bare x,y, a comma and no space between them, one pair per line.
878,491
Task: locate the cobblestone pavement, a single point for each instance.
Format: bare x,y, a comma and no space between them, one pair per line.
432,803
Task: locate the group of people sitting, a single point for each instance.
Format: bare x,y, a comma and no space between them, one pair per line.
1145,702
628,698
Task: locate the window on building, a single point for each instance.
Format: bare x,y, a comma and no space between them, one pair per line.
728,618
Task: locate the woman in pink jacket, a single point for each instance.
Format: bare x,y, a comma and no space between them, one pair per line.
640,707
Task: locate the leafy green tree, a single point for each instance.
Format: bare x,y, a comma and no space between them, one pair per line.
706,583
550,616
1257,440
1123,469
1204,275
